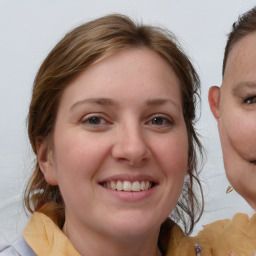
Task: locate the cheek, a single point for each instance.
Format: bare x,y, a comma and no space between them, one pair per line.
173,155
77,160
238,132
77,156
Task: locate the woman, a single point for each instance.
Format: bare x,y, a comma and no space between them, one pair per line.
111,122
234,107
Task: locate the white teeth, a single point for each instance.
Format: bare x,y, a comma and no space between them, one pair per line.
143,185
136,186
112,185
147,185
127,186
119,185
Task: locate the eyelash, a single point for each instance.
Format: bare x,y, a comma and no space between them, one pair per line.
95,120
167,121
250,100
86,120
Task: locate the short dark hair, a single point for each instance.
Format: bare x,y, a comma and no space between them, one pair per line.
245,25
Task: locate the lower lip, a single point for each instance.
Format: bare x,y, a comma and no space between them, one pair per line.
131,196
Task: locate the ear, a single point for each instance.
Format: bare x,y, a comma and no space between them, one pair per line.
214,99
45,160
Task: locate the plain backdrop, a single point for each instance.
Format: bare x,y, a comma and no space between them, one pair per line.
28,31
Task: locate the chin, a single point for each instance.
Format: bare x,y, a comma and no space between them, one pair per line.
247,192
136,227
251,201
136,232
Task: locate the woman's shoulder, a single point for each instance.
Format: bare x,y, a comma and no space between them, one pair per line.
17,248
236,236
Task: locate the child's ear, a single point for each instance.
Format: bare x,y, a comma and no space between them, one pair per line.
45,160
214,99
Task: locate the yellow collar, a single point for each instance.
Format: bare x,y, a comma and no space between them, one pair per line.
46,238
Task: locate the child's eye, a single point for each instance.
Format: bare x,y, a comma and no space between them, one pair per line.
250,100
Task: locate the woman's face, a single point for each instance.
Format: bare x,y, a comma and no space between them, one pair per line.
236,114
120,146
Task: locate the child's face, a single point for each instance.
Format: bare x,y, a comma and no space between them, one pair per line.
120,127
236,116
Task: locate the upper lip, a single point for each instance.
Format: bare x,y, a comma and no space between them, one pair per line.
129,177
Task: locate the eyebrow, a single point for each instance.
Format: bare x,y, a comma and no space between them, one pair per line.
242,85
110,102
157,102
100,101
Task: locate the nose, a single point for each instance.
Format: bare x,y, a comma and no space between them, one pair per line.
131,146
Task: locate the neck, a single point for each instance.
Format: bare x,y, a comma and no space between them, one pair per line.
93,243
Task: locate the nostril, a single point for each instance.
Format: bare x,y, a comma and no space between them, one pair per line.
130,147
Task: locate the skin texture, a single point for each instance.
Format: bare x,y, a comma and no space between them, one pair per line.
121,119
234,107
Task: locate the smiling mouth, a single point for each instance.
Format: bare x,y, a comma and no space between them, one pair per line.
128,186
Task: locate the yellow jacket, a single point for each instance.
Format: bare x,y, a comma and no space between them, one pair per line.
235,237
45,238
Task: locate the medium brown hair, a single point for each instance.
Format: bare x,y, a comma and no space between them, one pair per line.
245,25
82,47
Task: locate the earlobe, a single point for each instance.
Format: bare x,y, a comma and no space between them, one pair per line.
45,160
214,99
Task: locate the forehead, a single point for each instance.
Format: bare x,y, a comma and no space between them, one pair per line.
136,71
241,62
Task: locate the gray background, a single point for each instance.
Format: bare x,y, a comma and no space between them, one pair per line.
28,31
